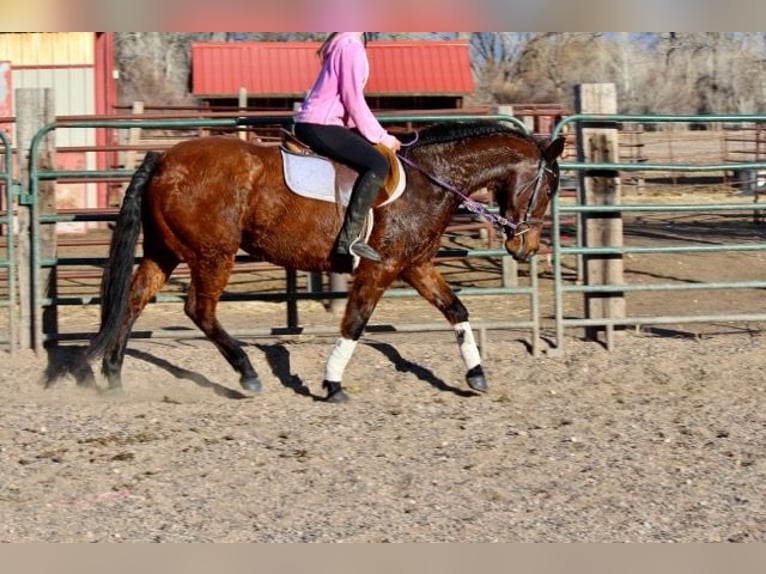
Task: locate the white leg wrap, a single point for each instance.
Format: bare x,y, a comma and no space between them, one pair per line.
339,358
467,344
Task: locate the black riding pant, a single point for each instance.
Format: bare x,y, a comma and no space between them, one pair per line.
345,146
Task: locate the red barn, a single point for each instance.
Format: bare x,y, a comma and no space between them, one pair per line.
404,75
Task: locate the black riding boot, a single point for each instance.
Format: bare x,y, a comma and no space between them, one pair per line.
350,240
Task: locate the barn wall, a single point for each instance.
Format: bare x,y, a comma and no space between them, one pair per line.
73,90
62,61
47,48
65,63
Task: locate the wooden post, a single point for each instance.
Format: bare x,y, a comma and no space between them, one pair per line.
510,269
134,138
599,143
131,156
35,107
507,110
242,102
24,133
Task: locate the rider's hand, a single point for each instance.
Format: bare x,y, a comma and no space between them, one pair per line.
392,143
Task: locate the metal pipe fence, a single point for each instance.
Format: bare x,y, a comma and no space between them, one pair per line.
578,249
560,249
291,295
7,253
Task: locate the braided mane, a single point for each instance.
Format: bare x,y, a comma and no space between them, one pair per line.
455,131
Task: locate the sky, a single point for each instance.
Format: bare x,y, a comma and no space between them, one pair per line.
393,15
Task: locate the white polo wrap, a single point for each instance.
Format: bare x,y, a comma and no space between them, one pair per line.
339,358
467,344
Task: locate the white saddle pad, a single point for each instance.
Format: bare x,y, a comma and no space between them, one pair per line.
318,178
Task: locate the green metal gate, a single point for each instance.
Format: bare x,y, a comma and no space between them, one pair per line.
40,300
560,249
7,248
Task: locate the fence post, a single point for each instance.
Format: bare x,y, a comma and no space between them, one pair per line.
242,104
599,143
24,132
510,268
35,108
130,159
134,139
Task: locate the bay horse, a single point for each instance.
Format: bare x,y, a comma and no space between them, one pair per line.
205,198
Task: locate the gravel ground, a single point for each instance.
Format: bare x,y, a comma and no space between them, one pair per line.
659,440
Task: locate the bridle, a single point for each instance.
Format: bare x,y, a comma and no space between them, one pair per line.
542,169
517,228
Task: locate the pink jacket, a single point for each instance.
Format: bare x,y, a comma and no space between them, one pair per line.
337,97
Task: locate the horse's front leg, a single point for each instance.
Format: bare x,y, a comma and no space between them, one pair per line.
369,283
427,280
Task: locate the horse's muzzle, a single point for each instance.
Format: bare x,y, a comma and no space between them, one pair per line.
522,242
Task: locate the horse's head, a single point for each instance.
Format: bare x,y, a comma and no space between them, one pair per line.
524,196
521,170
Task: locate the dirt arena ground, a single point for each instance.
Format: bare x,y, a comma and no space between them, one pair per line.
658,440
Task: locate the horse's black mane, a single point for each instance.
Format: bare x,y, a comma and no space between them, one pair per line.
454,131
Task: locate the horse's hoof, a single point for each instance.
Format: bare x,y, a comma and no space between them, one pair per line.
476,380
86,382
113,392
252,384
335,393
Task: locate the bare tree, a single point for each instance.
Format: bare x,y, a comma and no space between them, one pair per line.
673,72
545,66
153,66
714,72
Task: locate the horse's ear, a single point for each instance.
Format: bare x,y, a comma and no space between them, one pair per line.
555,149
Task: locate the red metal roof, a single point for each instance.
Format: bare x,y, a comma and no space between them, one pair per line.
440,67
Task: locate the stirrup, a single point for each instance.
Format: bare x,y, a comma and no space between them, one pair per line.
361,249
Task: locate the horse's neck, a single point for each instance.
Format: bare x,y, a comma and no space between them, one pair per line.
463,170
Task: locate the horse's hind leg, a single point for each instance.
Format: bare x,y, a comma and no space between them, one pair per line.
148,279
209,278
427,280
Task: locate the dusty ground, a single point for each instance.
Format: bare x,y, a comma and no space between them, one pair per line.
659,440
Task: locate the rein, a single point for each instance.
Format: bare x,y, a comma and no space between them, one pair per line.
479,208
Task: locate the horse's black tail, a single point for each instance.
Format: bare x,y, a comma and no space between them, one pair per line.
115,281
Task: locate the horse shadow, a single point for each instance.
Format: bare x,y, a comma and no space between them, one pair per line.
406,366
62,359
65,360
185,374
278,358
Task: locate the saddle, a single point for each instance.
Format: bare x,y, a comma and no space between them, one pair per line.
312,175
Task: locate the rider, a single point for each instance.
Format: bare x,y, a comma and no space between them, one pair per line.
335,121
